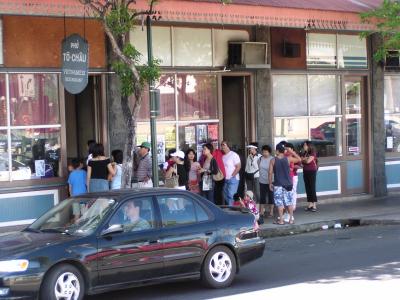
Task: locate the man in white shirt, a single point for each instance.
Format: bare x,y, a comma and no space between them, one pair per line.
232,167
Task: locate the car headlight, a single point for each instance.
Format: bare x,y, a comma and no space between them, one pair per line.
17,265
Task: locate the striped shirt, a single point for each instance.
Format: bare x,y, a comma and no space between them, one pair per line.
143,169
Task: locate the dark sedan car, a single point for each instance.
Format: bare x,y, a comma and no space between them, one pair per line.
114,240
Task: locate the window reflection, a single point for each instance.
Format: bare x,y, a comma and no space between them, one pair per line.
392,129
38,149
3,102
197,97
166,85
34,99
353,135
325,134
353,97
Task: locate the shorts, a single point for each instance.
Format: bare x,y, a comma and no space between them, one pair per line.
265,193
283,197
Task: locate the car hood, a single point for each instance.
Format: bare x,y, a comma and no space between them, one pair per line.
14,244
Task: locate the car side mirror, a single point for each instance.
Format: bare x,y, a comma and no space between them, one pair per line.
115,228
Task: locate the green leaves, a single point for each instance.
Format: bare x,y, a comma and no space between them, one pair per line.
387,21
119,19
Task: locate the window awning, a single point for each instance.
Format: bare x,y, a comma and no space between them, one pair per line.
208,12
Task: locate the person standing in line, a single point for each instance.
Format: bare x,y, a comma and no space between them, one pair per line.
208,169
232,168
98,169
252,172
281,183
180,169
192,166
116,180
219,184
77,178
142,167
265,192
310,168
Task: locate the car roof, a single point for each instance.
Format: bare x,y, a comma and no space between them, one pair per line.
123,193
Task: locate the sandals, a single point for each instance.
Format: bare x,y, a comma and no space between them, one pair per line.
308,208
313,209
278,223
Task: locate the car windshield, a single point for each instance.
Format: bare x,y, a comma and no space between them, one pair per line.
76,216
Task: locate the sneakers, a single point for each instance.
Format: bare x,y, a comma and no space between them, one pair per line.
286,217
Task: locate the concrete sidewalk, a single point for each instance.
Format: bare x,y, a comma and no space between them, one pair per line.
352,213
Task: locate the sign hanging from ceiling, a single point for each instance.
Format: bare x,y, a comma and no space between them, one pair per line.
75,63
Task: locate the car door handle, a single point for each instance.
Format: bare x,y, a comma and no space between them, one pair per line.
208,232
155,242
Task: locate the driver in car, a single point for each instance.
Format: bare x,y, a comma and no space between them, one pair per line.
132,211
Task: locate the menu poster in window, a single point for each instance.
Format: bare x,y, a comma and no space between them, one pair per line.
213,132
26,85
190,135
40,168
201,134
160,149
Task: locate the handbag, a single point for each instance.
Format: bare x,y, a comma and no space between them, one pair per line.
250,176
173,181
207,183
219,176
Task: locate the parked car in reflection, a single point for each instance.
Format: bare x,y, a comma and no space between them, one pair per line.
120,239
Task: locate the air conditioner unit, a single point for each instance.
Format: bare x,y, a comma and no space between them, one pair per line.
392,61
251,55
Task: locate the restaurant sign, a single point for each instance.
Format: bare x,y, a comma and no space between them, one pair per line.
75,63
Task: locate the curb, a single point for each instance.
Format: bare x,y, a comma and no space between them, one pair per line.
310,227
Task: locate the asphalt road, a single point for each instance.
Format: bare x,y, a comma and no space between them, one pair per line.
360,263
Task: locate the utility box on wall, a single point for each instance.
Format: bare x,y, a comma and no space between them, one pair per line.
251,55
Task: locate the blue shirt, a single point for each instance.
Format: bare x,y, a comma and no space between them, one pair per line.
77,180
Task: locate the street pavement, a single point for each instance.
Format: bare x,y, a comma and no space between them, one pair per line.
360,262
360,211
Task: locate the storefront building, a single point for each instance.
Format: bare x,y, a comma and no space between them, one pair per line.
314,83
42,125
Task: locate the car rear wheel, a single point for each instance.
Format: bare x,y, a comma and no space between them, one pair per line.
63,282
219,268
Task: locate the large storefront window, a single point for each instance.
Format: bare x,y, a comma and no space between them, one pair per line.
33,127
166,85
392,113
307,107
196,121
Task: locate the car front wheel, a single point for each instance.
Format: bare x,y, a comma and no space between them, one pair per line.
219,268
63,282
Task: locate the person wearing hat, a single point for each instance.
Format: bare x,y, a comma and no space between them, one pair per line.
179,168
142,167
251,172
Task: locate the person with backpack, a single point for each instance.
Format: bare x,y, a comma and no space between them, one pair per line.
310,168
252,171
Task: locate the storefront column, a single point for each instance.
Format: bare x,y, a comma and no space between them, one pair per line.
378,120
263,101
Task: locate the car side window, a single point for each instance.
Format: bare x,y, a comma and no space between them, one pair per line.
201,213
135,215
178,210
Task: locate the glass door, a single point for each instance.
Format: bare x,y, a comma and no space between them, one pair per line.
355,134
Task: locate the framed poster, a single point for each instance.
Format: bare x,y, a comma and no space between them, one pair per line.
201,134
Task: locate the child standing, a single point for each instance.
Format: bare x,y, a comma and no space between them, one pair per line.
77,178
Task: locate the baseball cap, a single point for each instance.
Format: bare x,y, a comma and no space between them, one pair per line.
145,145
179,154
252,145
